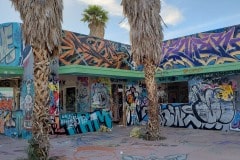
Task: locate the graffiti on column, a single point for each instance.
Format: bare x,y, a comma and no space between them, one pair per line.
75,123
28,102
83,95
54,98
54,88
211,107
17,116
10,44
142,107
235,125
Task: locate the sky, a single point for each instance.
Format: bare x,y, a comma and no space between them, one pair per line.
182,17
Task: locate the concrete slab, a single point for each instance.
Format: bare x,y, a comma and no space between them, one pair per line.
180,144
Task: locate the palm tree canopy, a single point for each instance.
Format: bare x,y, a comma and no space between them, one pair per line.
95,14
145,29
41,22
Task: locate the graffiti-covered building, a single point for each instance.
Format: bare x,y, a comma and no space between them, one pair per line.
206,67
93,82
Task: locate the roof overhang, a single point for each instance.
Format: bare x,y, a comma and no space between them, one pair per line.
81,70
199,70
10,71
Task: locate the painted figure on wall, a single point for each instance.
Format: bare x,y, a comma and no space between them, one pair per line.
100,92
83,95
27,87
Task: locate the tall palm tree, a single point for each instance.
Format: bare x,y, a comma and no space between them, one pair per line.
146,37
42,30
96,17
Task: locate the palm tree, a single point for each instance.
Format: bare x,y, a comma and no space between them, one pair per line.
42,30
146,38
96,17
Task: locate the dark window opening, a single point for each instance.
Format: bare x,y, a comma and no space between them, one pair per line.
70,99
176,92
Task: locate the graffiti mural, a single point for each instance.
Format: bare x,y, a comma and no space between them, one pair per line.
83,104
11,123
75,123
211,105
100,93
27,102
202,49
17,116
137,102
91,51
54,98
54,95
6,98
10,44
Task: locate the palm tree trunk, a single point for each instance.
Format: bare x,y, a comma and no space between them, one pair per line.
40,127
97,30
153,128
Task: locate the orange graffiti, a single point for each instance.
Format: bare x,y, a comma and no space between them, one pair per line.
226,92
6,104
84,50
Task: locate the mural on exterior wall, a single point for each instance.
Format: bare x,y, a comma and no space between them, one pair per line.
27,92
10,44
7,124
27,100
211,105
54,98
13,123
137,102
6,98
83,95
100,93
90,51
202,49
10,55
54,95
75,123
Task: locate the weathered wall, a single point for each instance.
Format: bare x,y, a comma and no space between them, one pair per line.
10,44
90,51
100,93
27,92
213,104
10,55
75,123
137,103
91,92
202,49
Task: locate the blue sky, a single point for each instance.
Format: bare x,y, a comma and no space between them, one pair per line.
183,17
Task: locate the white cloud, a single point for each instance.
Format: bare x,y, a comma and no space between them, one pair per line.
112,6
171,15
202,27
125,25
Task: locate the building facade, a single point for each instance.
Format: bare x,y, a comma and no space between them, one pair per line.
93,82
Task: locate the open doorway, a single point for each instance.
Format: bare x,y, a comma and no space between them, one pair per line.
117,103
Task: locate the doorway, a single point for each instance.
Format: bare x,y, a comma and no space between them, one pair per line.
117,103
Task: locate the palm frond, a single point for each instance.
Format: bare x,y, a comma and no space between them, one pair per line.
41,22
145,29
